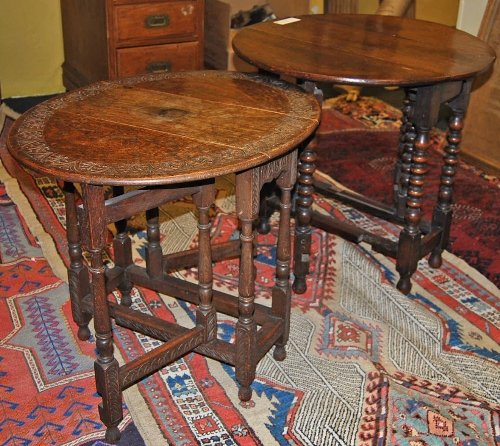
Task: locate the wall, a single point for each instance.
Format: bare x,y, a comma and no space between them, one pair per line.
367,6
31,48
316,6
470,15
440,11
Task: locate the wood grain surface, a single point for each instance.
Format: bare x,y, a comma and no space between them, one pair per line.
364,49
162,129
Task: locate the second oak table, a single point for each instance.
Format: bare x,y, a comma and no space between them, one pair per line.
434,63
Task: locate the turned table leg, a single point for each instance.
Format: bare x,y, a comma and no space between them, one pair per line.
246,327
405,152
206,315
442,212
122,247
154,255
303,205
425,113
281,304
78,279
107,370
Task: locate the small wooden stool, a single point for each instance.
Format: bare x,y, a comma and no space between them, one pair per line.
170,134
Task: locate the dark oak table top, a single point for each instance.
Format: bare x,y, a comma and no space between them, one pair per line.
163,129
364,49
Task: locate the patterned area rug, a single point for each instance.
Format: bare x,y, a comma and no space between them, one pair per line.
365,364
358,148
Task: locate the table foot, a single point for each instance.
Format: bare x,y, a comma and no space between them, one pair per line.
245,393
84,333
404,284
435,260
299,285
113,435
279,353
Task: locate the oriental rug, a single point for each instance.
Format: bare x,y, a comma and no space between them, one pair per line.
358,147
365,364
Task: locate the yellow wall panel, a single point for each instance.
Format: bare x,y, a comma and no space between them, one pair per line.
439,11
367,6
31,47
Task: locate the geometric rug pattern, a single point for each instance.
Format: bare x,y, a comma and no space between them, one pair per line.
365,364
358,147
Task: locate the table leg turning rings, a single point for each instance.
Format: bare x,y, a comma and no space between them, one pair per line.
419,237
168,136
435,63
89,298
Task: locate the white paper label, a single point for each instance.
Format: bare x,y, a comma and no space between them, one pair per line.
287,21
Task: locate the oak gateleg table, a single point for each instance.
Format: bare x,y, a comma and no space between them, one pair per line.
164,137
434,63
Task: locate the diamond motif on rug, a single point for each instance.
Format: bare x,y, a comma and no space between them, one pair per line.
419,417
344,337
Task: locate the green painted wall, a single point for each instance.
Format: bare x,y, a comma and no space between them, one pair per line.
31,48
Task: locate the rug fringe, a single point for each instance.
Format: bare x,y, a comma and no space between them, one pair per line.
6,112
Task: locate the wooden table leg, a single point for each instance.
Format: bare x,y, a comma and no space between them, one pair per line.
405,153
442,212
425,113
303,208
78,279
247,195
248,186
154,255
281,304
206,315
122,247
107,370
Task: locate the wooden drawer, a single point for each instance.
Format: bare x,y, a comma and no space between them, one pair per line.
149,23
158,58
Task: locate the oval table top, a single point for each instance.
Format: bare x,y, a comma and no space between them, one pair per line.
362,49
163,129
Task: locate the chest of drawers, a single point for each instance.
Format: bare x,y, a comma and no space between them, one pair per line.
108,39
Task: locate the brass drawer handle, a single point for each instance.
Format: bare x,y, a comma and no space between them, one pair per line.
159,67
157,21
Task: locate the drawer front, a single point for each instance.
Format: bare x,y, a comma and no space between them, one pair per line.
155,22
158,58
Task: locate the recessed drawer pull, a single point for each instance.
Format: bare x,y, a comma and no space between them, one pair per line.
157,21
159,67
